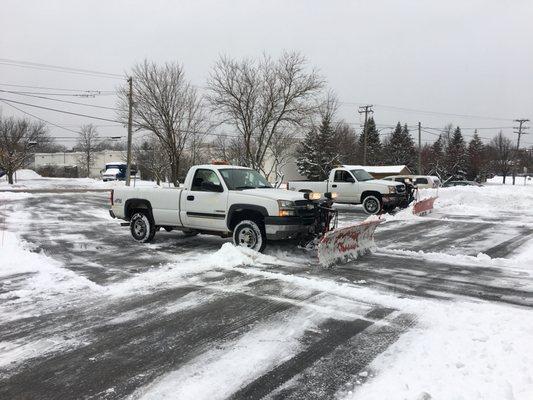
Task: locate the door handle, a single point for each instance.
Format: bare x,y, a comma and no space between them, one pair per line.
333,185
190,198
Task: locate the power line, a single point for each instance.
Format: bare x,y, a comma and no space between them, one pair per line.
40,119
415,110
60,111
61,101
54,88
58,68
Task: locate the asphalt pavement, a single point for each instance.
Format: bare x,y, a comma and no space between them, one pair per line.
149,319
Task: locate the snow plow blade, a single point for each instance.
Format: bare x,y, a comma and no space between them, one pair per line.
423,207
346,243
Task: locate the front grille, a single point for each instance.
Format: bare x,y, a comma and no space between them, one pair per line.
306,210
400,188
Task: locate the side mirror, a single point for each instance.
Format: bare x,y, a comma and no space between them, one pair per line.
211,187
350,179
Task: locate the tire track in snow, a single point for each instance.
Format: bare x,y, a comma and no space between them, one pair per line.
337,332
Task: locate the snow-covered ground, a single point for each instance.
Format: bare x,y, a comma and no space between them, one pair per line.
74,289
29,179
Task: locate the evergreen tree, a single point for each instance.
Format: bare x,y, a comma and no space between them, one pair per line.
346,143
437,164
373,144
400,148
317,154
456,155
476,158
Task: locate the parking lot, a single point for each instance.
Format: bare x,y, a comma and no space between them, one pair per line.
196,318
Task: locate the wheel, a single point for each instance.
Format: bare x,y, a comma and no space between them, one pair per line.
372,204
249,234
142,227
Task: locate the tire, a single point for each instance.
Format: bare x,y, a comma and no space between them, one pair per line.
372,204
250,234
142,228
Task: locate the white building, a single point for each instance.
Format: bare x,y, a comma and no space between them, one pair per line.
68,159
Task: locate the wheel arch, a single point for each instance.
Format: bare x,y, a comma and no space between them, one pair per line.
240,212
137,204
367,193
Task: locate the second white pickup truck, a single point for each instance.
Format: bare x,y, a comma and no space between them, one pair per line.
227,201
354,185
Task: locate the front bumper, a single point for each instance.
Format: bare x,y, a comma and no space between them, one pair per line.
394,199
279,228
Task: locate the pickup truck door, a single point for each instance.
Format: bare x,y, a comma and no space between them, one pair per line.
204,204
346,186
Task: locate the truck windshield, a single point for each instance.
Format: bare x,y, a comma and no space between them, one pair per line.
361,175
238,179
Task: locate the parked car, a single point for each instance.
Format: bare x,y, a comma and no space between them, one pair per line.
419,181
226,201
116,171
461,183
354,185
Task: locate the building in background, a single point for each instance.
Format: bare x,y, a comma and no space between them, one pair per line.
72,159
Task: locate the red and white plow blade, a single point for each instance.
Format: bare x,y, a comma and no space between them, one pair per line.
347,242
423,207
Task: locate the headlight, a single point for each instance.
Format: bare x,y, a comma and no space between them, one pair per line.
286,208
392,189
312,196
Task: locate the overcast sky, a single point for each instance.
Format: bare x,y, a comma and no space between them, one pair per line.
454,56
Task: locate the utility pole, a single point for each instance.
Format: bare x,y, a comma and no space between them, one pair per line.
130,121
365,109
419,148
520,132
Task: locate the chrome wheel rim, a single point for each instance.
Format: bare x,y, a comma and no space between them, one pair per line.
139,228
247,237
372,205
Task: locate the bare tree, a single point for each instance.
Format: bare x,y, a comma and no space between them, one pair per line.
262,99
168,106
228,148
88,144
18,138
500,150
151,158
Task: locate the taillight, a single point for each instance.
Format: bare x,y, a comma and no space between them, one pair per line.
111,196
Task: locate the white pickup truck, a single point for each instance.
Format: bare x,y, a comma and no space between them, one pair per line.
223,200
354,185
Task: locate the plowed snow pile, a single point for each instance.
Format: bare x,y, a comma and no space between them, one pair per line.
482,201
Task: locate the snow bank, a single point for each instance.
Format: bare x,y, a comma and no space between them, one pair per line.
482,201
25,174
498,180
459,351
228,256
